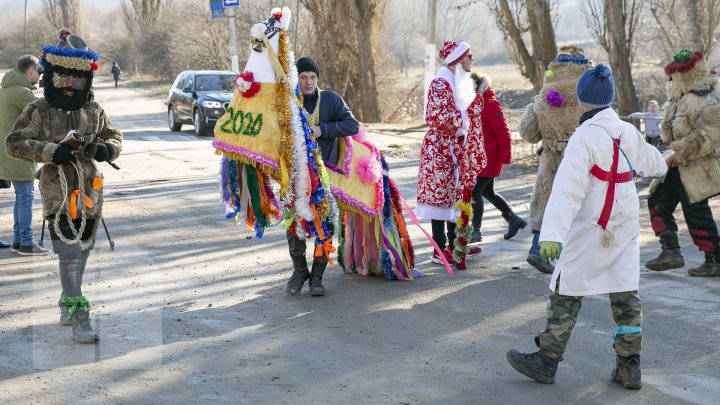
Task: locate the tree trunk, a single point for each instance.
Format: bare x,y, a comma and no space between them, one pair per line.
619,53
693,26
369,103
543,38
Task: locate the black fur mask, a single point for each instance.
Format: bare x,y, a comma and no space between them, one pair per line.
57,97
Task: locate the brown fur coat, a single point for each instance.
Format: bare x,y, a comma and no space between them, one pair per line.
35,137
691,128
552,126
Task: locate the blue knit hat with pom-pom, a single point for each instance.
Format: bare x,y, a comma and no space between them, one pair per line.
596,87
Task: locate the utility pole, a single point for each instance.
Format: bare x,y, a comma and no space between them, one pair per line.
25,50
233,39
429,48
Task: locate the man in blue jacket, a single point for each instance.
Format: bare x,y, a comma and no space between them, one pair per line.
329,118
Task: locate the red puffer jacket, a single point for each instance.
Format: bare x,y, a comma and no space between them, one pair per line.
496,135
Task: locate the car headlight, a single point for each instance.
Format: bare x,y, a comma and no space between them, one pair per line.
211,104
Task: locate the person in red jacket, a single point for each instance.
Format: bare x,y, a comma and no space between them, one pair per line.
497,142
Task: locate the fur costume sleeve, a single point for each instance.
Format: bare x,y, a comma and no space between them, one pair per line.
23,142
529,129
111,136
698,135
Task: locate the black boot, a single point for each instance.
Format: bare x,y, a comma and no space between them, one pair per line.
627,372
537,366
316,287
670,257
711,267
299,276
515,223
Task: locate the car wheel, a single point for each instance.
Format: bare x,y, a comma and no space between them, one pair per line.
197,122
172,121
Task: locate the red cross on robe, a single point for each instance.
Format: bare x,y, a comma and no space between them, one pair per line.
613,178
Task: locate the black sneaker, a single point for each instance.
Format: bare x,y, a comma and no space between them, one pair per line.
15,247
32,250
4,244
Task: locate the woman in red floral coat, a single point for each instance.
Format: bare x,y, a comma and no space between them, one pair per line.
497,141
437,190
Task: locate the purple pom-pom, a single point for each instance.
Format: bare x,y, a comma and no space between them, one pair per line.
554,99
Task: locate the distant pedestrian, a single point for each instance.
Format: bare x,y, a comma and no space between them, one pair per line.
497,142
652,119
116,72
16,93
593,211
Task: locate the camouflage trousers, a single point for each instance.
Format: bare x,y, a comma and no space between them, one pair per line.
562,312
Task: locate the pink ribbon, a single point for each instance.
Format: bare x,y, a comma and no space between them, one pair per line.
415,221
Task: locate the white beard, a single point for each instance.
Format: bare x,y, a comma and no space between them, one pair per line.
464,88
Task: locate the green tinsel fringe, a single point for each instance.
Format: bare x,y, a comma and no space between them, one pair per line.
75,303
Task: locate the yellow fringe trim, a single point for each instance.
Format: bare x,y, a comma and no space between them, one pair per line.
282,98
68,62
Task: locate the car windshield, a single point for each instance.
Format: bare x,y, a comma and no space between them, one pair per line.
214,83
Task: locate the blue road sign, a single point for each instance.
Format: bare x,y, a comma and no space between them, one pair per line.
217,9
231,3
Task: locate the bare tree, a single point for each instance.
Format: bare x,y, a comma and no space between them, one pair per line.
63,13
345,50
701,17
517,17
614,24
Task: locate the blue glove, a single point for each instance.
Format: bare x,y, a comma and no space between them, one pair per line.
550,250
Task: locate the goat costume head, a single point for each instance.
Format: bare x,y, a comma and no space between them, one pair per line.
69,69
689,72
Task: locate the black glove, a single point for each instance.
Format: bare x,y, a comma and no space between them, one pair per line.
63,156
102,154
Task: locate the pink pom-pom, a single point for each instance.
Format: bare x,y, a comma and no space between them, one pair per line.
368,168
554,99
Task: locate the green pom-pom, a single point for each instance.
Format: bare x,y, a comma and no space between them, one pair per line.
549,73
683,54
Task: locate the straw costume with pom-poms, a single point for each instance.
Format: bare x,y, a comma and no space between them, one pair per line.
550,121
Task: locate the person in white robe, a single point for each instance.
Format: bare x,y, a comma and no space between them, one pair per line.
593,213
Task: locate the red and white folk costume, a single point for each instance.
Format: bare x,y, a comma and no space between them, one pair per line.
437,179
437,189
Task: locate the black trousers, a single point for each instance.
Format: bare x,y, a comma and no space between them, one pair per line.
485,187
438,233
698,216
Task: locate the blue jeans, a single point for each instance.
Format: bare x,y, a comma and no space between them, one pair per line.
24,198
535,248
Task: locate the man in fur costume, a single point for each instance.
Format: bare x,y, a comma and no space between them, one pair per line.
691,132
551,119
68,132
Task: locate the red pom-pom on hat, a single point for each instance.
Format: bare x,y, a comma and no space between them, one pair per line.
277,15
447,48
94,66
63,33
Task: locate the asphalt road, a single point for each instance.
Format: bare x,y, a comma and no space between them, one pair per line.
191,310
